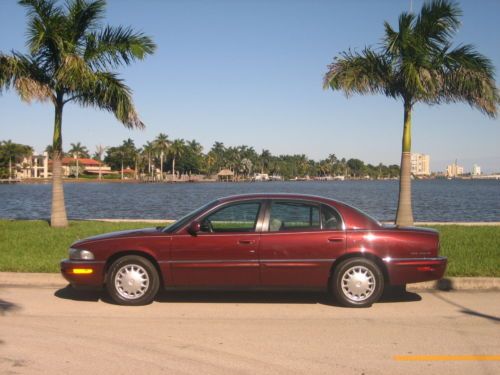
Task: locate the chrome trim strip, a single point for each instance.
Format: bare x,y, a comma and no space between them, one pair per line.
210,261
247,261
67,260
389,259
295,260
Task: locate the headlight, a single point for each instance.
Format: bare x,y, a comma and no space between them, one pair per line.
78,254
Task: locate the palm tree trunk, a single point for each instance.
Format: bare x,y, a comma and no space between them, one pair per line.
404,215
58,216
10,168
161,166
173,169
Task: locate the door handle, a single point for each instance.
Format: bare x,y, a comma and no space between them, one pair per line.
335,239
246,242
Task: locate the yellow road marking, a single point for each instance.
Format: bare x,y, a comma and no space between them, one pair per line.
447,357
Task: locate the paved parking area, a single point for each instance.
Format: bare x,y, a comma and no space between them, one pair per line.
56,330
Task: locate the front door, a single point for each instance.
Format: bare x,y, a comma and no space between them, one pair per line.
224,253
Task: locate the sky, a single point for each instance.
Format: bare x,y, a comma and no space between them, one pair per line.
250,72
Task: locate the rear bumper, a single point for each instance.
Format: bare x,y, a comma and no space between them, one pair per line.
83,273
415,270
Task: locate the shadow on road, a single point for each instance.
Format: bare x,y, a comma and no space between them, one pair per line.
69,292
270,297
6,306
466,310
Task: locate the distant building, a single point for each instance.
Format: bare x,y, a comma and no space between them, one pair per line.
476,170
420,164
454,170
33,166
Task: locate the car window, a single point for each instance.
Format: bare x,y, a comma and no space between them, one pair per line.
241,217
330,218
293,216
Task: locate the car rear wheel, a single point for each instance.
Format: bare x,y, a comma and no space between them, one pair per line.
132,280
357,282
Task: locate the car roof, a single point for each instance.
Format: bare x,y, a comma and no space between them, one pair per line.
352,216
276,196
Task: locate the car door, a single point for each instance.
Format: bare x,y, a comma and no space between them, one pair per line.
224,252
299,243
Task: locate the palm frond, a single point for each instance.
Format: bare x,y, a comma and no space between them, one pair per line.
106,91
437,22
114,46
22,73
360,73
73,74
469,77
82,17
46,20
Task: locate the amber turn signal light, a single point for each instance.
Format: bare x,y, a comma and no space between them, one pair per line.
82,271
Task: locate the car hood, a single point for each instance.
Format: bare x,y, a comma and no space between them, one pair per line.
117,234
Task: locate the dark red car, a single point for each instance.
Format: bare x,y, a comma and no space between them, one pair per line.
267,241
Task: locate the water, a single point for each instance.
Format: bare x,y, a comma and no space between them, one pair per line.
433,200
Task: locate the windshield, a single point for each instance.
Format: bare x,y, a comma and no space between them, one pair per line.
185,219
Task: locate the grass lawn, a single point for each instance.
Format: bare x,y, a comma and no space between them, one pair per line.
33,246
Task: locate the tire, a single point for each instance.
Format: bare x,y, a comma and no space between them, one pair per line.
357,282
133,281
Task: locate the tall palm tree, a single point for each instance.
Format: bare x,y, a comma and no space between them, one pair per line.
69,58
78,149
148,151
176,150
162,143
11,150
99,152
417,63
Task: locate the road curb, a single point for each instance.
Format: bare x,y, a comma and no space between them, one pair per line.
20,279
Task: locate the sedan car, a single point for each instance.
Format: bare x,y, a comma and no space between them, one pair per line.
264,241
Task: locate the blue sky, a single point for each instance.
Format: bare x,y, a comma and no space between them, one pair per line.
250,72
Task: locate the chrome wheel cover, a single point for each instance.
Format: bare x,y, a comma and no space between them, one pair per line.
131,281
358,283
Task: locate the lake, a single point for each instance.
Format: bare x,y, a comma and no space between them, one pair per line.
433,200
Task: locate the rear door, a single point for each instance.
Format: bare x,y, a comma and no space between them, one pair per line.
299,242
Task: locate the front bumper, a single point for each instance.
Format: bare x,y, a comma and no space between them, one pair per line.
83,273
415,270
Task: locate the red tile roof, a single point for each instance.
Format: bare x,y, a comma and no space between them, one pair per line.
82,161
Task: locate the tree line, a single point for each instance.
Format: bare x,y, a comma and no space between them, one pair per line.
179,157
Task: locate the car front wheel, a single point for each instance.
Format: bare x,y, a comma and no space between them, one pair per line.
357,282
132,280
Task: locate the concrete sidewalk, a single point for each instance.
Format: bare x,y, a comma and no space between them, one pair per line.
13,279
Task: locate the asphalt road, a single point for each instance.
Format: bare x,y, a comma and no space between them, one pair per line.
59,331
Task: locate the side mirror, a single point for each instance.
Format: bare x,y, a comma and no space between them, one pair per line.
194,228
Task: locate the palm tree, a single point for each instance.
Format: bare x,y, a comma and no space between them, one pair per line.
99,152
69,58
265,158
176,150
417,63
161,144
148,150
11,150
78,150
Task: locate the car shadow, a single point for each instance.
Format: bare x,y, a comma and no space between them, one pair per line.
71,293
6,306
270,297
393,296
250,296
